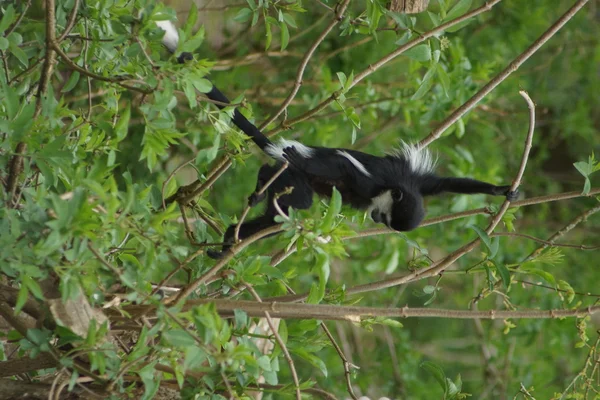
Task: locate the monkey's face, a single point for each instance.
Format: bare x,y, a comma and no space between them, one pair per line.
399,209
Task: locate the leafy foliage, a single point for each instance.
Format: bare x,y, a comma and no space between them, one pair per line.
109,135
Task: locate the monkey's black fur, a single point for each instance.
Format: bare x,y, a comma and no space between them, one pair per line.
391,188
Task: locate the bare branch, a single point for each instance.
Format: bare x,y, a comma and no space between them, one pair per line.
226,307
282,345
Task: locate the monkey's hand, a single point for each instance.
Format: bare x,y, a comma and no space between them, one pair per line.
511,195
293,156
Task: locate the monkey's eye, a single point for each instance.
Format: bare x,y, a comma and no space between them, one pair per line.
397,195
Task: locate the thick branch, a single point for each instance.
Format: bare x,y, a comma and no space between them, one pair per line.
226,307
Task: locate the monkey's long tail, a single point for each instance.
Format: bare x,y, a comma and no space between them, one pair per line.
171,40
240,121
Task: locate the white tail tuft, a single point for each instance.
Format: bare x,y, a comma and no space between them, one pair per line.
171,38
275,150
420,160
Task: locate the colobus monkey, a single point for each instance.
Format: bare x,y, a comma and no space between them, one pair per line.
390,188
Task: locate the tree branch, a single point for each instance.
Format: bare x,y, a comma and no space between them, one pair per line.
226,307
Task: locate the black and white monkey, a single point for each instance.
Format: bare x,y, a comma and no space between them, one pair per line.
390,188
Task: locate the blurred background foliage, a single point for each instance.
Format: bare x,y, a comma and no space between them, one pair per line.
119,154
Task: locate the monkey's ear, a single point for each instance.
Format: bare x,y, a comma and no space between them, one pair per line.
185,56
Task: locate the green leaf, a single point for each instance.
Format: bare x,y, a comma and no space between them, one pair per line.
587,186
435,18
426,84
583,167
22,297
428,289
403,20
243,15
194,42
19,54
122,125
485,238
71,82
201,84
285,35
444,78
391,323
268,32
8,18
33,287
420,53
11,100
179,337
190,23
289,20
459,9
545,275
342,78
3,43
503,272
313,360
437,372
335,205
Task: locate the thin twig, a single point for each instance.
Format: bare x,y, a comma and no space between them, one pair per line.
345,362
282,345
556,289
567,228
546,242
70,22
19,20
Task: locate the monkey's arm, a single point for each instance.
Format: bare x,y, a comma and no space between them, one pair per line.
433,185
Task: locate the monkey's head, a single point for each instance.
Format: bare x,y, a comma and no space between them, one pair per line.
400,209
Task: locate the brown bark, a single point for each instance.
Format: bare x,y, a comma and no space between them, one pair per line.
408,6
26,364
